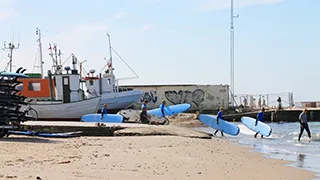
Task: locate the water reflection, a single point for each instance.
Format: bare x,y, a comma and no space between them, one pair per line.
301,158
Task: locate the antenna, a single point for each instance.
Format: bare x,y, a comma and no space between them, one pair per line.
232,54
38,32
10,47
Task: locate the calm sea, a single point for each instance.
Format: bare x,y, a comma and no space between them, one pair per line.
283,144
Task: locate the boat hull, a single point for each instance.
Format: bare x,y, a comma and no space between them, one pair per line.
65,111
120,100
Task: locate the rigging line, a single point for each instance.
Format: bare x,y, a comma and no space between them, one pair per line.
35,60
7,66
82,68
124,62
104,67
67,58
2,55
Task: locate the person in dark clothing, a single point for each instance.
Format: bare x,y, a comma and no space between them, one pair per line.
219,116
304,124
104,110
279,102
143,115
162,105
260,117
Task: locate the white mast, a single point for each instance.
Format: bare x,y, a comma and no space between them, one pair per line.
110,51
232,54
10,47
38,32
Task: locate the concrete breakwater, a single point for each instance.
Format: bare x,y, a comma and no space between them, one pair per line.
285,115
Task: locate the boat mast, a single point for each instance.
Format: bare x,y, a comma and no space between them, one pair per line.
38,32
10,47
54,55
110,51
232,54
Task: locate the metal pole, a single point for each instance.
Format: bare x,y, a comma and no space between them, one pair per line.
232,53
40,51
11,50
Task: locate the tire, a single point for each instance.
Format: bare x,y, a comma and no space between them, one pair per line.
33,113
3,132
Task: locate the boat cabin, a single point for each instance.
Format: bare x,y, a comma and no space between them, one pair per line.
99,84
64,87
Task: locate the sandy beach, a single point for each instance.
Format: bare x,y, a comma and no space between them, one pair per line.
137,157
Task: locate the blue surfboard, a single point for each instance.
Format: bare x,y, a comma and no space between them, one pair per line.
60,135
107,118
261,127
13,74
170,110
52,135
224,126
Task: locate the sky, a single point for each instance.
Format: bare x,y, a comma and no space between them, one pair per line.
277,42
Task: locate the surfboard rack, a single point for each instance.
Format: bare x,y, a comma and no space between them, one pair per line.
11,101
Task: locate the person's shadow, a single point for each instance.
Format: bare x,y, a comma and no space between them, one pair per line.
301,158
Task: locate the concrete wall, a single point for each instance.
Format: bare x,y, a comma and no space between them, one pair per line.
201,97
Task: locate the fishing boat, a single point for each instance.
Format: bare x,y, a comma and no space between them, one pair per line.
106,85
58,96
62,96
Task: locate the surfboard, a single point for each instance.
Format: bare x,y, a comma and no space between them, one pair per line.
60,135
261,127
107,118
170,110
52,135
13,74
224,126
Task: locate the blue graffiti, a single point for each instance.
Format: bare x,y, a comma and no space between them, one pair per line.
149,96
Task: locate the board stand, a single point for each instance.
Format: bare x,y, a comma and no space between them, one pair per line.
11,102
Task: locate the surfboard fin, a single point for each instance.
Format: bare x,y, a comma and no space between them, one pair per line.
23,71
18,70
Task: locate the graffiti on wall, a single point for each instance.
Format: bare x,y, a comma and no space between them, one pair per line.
151,97
195,97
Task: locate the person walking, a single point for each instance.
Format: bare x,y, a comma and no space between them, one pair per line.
304,124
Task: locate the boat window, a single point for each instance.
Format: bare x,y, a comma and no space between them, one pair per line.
109,81
65,81
34,86
91,82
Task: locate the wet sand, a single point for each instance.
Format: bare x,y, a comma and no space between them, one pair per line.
137,157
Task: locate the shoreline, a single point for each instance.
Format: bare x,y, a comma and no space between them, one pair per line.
187,120
286,163
138,157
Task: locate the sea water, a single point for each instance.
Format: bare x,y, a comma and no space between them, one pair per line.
283,144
